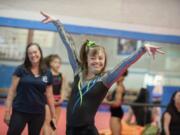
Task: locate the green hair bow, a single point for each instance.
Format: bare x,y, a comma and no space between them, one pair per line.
90,43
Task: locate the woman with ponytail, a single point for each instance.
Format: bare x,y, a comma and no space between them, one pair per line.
91,82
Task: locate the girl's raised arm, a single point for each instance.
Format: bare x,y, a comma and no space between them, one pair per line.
67,40
112,76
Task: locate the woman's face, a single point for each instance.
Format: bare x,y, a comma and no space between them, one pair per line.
177,100
34,54
96,61
55,64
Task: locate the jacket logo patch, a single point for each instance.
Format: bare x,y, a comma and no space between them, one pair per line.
44,79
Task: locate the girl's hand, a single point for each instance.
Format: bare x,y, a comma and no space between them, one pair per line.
153,50
109,96
61,101
48,18
105,101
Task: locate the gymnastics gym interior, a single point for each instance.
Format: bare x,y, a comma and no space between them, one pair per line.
120,26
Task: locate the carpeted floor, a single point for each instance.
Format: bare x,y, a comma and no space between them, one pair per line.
102,119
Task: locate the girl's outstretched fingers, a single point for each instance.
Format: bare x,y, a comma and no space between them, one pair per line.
160,51
153,50
47,18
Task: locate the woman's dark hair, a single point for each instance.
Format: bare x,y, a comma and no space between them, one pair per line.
170,108
171,105
143,96
142,113
50,58
27,64
84,53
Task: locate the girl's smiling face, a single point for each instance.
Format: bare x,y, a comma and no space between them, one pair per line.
55,64
96,61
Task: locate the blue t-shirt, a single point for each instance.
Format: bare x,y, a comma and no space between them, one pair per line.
30,93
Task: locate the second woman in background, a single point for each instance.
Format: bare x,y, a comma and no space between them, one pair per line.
115,100
53,62
171,116
142,114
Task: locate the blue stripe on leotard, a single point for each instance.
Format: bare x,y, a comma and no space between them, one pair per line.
84,91
113,75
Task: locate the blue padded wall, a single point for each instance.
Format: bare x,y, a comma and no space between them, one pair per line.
6,75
